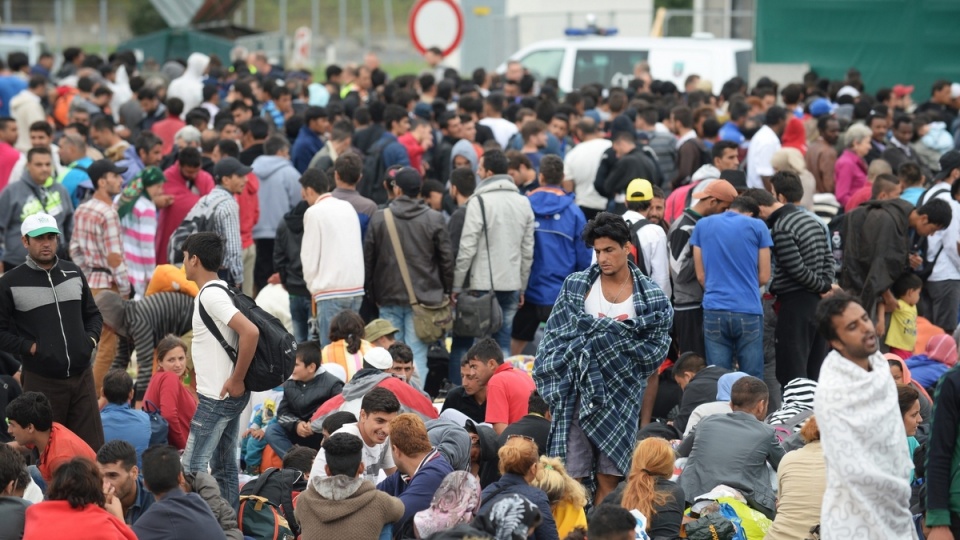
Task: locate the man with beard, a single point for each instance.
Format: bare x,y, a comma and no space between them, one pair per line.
67,324
864,442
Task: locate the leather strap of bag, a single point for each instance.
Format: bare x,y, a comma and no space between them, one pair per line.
486,240
398,251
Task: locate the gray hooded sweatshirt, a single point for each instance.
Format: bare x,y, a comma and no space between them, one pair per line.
279,192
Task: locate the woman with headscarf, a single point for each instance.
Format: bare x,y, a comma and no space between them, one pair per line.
649,490
939,356
456,501
720,406
797,398
795,135
138,217
901,375
791,159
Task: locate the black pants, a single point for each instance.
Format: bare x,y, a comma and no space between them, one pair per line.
689,326
589,213
74,403
263,265
800,349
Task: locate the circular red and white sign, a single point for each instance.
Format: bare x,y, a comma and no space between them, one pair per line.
436,23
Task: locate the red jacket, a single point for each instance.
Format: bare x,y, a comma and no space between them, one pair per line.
410,400
177,405
166,129
249,203
55,520
185,196
8,159
414,151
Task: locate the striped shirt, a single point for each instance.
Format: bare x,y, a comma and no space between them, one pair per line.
139,243
804,261
150,320
96,236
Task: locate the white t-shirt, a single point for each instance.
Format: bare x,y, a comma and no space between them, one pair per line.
597,306
581,166
502,129
653,244
209,359
762,147
376,458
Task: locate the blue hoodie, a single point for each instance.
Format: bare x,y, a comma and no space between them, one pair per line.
304,148
558,250
417,492
279,192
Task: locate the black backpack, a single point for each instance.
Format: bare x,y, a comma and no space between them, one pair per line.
266,503
371,183
635,251
202,222
276,352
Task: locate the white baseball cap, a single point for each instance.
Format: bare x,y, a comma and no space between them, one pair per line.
39,224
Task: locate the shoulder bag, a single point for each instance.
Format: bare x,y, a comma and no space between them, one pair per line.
430,322
478,313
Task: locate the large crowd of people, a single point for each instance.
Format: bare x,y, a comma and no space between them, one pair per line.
644,312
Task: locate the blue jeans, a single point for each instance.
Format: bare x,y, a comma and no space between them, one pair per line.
402,317
282,440
459,346
730,335
300,314
328,309
509,303
214,440
37,478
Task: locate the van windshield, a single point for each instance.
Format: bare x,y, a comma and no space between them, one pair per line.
609,68
544,64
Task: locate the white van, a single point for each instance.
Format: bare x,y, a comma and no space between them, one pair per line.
577,61
21,39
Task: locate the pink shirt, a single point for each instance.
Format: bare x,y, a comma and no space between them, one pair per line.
850,174
8,159
508,393
185,196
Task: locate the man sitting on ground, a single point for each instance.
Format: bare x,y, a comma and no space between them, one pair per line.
342,503
508,389
420,470
175,514
733,449
120,421
535,425
378,408
30,421
117,460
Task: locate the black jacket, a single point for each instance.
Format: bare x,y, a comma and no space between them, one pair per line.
701,389
636,164
666,522
426,247
302,399
876,248
54,309
365,138
286,251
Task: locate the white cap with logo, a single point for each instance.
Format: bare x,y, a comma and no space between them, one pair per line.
38,225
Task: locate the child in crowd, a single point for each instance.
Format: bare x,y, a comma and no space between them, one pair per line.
347,346
253,441
902,335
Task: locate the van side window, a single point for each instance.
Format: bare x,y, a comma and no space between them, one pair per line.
609,68
544,64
